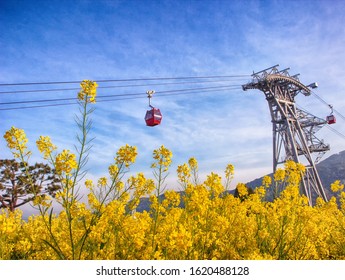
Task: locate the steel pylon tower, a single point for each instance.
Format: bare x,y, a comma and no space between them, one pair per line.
293,129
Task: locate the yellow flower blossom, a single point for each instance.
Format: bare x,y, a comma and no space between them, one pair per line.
229,171
213,181
163,158
193,164
279,175
242,189
88,184
65,162
337,186
42,200
102,182
113,170
267,180
120,186
16,140
126,155
203,222
88,91
45,146
183,173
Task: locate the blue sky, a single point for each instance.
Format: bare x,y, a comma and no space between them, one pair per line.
44,41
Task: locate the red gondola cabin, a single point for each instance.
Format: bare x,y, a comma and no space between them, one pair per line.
331,119
153,117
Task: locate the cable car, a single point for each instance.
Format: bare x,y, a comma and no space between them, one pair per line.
153,116
331,118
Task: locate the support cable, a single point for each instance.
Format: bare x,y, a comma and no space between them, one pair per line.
327,125
119,95
127,80
335,131
117,86
115,97
328,105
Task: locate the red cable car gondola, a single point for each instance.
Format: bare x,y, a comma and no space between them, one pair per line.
153,116
331,118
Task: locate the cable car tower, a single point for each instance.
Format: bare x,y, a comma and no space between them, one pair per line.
293,129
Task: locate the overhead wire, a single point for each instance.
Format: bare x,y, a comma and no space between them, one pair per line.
116,95
328,104
113,97
117,86
126,80
327,125
37,106
335,131
191,80
73,100
109,100
333,110
128,96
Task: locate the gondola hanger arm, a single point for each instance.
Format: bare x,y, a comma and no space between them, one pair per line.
149,95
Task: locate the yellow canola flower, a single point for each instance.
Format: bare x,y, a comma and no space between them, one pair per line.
242,189
119,186
13,136
93,201
88,91
279,175
229,171
45,146
42,200
141,184
126,155
102,182
65,162
193,163
207,226
113,170
266,181
16,140
291,166
172,198
163,157
214,182
88,184
337,186
183,173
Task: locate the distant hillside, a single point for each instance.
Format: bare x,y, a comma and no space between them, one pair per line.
330,169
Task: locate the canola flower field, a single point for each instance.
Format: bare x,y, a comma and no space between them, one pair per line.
212,224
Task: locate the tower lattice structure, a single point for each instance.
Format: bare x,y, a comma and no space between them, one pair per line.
293,128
